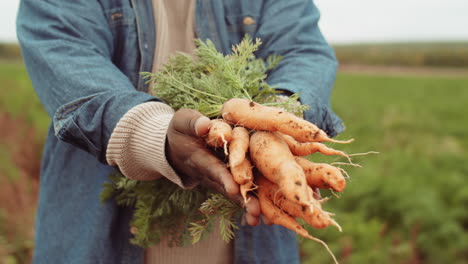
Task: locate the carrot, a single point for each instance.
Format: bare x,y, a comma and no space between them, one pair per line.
238,146
322,175
242,173
259,117
272,157
219,135
279,217
245,188
303,149
317,218
276,195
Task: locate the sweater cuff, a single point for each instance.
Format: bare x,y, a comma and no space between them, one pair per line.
137,143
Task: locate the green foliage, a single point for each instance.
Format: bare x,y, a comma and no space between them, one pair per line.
216,206
206,82
163,208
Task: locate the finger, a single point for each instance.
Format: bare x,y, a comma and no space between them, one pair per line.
231,187
190,122
202,126
253,206
218,187
213,185
252,220
210,166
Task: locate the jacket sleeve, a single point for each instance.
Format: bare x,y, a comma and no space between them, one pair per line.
290,28
67,47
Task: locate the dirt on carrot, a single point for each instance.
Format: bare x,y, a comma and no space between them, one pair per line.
322,175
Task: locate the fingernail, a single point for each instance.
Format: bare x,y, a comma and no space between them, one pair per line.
202,126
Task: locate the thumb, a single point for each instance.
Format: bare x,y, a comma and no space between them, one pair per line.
191,122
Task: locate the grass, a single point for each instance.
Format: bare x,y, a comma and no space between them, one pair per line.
414,54
452,54
406,205
18,101
23,125
17,97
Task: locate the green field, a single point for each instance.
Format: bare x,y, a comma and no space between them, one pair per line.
409,54
406,205
409,202
417,54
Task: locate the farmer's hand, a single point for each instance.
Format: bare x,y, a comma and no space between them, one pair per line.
188,154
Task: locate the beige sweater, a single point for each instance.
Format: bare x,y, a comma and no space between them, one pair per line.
137,143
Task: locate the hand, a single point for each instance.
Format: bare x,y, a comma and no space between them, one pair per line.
188,154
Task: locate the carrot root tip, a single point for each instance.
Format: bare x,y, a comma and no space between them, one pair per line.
345,173
347,164
334,194
328,213
225,143
325,245
335,224
364,153
340,141
323,200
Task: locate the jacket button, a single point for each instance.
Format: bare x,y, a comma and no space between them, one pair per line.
248,20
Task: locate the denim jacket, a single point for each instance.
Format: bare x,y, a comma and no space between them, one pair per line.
84,59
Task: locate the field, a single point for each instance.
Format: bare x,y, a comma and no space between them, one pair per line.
432,54
22,131
406,205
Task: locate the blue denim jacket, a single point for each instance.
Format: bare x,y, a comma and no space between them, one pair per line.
84,59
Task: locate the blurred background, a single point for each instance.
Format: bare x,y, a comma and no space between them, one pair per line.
402,90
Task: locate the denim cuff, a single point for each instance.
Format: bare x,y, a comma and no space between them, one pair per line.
322,116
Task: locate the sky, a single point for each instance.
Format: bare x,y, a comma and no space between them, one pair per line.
346,21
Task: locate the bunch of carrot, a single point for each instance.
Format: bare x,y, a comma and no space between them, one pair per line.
264,146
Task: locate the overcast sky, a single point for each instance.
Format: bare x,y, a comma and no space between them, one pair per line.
346,21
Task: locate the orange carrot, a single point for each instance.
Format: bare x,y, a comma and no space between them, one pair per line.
322,175
259,117
274,160
219,135
242,173
276,195
316,218
279,217
245,188
304,149
238,146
